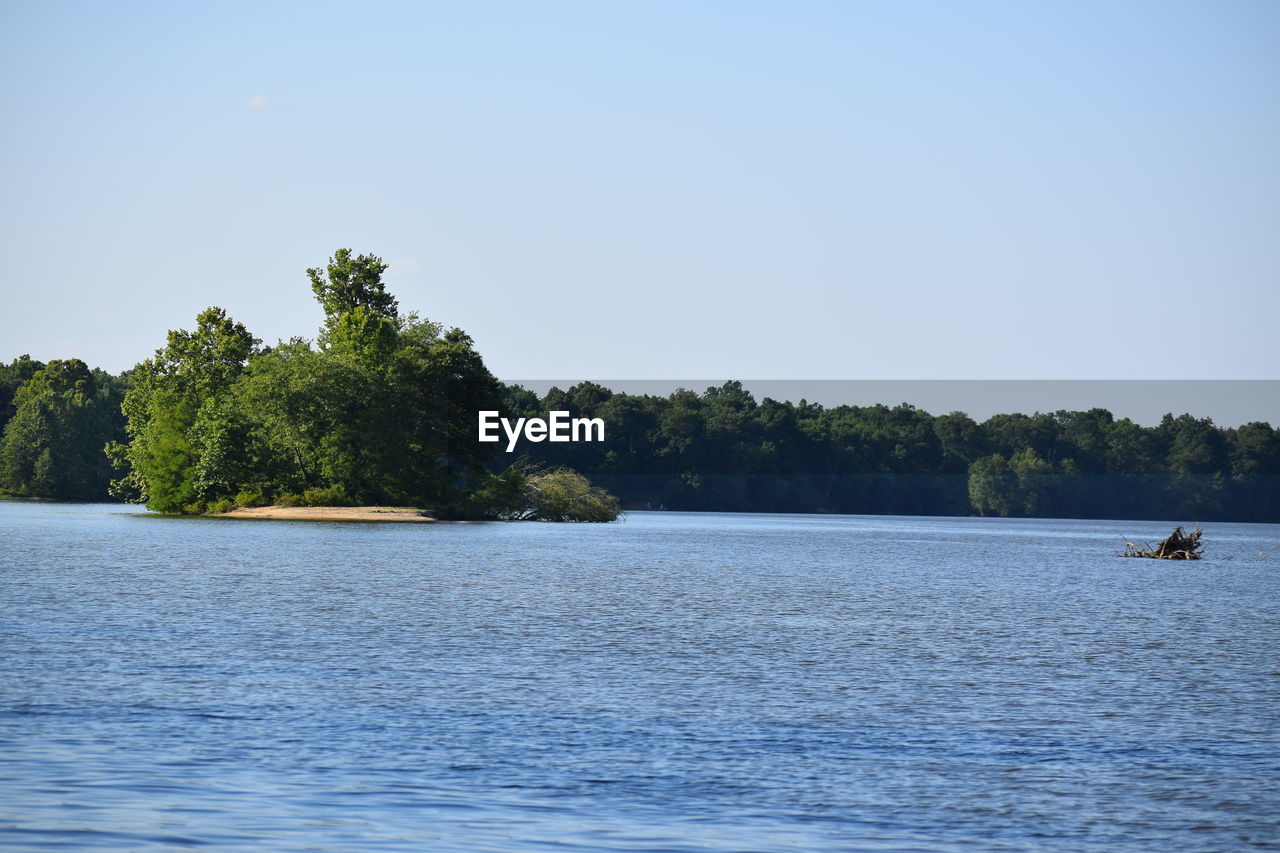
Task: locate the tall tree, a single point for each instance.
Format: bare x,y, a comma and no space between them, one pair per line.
12,377
448,383
193,370
348,283
52,446
992,487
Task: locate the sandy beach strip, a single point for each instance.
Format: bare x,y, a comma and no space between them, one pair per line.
331,513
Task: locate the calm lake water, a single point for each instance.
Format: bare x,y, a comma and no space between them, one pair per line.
675,682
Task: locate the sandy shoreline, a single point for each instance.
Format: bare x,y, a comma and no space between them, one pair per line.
331,513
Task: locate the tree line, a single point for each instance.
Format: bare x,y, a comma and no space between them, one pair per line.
723,450
381,408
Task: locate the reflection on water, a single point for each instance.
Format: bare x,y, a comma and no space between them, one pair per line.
675,682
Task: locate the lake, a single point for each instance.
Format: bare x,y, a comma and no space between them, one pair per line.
673,682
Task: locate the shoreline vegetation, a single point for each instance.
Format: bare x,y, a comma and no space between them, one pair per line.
380,409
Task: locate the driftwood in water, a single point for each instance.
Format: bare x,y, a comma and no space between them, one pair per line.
1176,546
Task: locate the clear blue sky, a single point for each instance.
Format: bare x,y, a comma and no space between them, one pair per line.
763,190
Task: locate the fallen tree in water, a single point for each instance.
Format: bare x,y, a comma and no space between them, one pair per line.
1175,546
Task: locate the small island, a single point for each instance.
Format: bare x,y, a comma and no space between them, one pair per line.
377,414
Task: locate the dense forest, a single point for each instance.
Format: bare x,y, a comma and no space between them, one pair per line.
382,409
723,450
56,420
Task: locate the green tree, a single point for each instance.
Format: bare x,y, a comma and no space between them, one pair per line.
1083,437
448,383
565,495
1131,449
992,486
52,446
315,420
1010,433
1255,472
1255,450
961,440
348,283
13,376
1034,481
383,410
1196,446
193,370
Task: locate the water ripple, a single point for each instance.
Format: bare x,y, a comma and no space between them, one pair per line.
677,683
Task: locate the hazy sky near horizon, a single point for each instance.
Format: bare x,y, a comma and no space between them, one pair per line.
1082,190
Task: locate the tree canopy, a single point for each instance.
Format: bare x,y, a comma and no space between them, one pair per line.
724,450
379,410
349,283
63,415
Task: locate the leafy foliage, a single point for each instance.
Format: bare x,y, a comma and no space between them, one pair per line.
13,376
723,450
349,283
172,409
566,495
382,410
63,416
